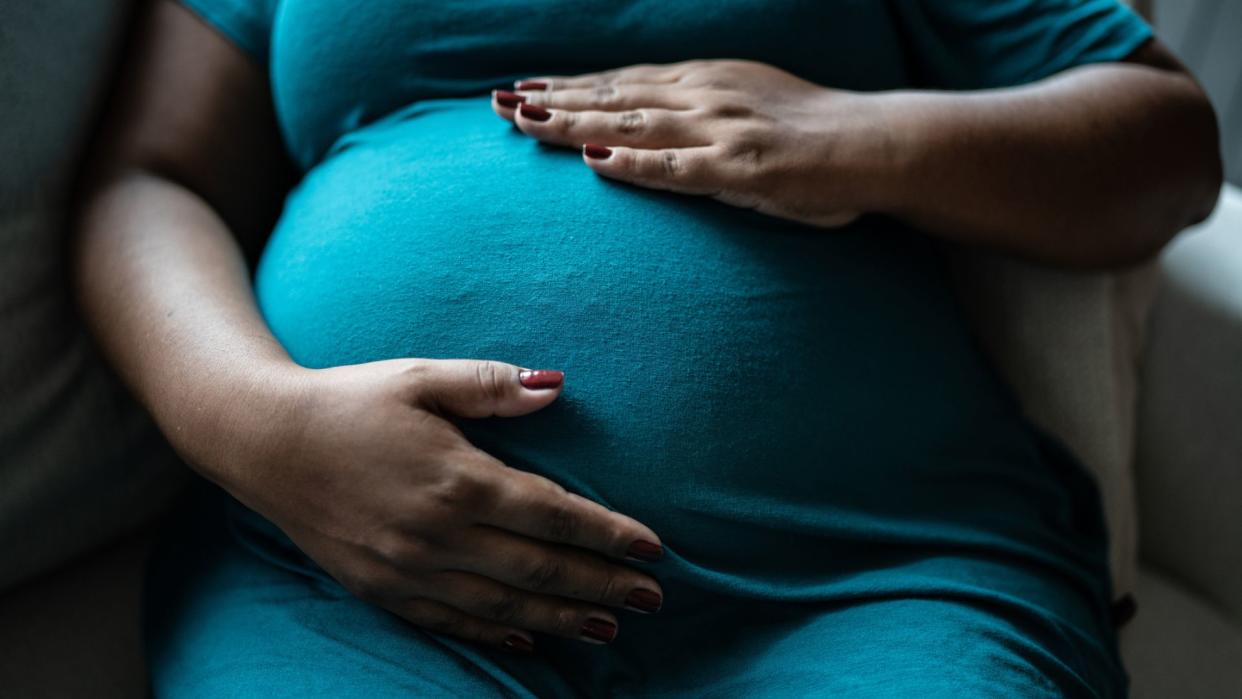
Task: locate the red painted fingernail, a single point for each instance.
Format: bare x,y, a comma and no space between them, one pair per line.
509,99
530,85
598,152
645,550
518,644
644,600
541,378
534,111
599,630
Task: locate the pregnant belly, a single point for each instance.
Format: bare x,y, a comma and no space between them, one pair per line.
750,388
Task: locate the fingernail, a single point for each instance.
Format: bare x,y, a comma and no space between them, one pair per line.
645,550
598,152
534,111
529,85
518,644
643,600
541,378
508,99
599,630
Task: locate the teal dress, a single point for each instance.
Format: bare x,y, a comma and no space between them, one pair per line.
850,500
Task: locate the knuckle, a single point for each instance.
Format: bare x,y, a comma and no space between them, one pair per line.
566,120
567,620
431,617
561,523
605,95
740,199
458,490
610,589
412,378
365,586
729,109
709,78
619,540
401,549
506,606
727,67
631,122
493,378
545,574
747,155
671,164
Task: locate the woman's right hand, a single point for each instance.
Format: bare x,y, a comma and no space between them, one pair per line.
356,464
390,498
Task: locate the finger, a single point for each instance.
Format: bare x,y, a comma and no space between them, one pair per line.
694,170
529,504
605,98
639,73
446,619
481,388
639,128
612,98
496,602
553,569
505,103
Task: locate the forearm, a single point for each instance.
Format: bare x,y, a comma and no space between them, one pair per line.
1097,166
165,288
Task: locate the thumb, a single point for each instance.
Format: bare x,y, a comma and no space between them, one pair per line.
483,388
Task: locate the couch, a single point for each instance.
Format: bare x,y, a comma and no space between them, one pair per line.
1146,365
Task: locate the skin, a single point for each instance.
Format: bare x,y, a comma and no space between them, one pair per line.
361,466
1094,167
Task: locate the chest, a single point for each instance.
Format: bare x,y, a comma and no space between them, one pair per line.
339,64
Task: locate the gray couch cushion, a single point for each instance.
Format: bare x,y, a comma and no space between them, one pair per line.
79,461
1179,644
77,632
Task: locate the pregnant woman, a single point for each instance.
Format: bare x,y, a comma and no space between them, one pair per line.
604,349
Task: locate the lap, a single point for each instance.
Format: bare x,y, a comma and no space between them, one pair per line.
225,621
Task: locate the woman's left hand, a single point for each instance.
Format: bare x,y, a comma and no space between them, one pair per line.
742,132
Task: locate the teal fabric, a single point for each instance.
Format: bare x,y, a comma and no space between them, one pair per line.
849,498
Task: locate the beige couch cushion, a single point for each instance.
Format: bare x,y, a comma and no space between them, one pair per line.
1069,342
79,461
1189,470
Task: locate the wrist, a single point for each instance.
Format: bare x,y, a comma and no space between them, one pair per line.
861,160
240,421
921,143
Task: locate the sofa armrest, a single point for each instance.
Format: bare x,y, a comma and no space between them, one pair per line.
1189,443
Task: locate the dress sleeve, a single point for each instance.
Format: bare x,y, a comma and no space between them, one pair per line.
976,44
247,23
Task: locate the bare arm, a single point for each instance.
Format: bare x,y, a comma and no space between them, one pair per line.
1093,167
190,153
187,175
1097,166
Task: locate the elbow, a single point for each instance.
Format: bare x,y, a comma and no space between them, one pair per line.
1196,188
1202,202
1189,185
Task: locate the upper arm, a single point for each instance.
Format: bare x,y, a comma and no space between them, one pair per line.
192,107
